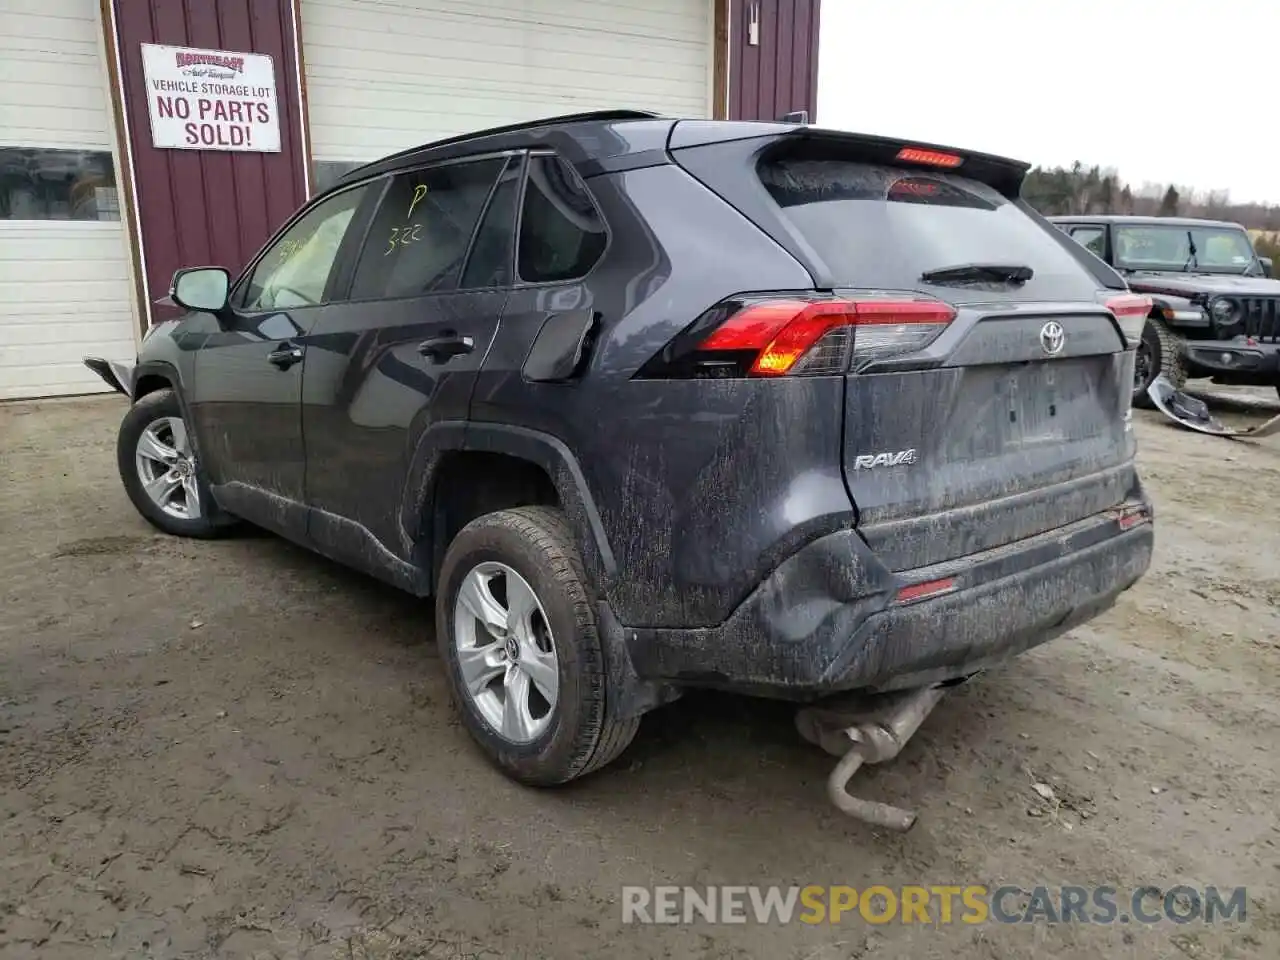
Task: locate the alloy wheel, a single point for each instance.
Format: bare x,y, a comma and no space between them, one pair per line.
506,653
167,468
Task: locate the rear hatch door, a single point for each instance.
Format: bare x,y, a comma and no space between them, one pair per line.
996,443
1013,418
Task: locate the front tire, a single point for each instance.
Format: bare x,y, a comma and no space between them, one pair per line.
1159,351
518,636
161,473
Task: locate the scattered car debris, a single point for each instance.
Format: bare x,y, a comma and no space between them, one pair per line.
1193,413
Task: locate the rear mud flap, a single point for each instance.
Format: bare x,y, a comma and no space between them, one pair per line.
1193,413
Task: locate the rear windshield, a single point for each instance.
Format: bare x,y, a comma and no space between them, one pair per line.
882,227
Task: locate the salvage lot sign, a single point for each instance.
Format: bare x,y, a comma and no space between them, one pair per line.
211,99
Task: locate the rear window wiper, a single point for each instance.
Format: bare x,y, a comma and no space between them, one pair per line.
978,272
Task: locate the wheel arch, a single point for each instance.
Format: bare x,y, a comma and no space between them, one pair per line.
483,466
152,375
1164,304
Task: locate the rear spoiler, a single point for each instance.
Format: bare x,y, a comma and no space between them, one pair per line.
1000,173
725,155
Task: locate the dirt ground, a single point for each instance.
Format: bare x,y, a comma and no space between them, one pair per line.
239,749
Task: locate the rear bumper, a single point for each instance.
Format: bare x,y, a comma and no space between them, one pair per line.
829,618
1257,362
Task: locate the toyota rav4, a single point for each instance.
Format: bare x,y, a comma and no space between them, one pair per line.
648,404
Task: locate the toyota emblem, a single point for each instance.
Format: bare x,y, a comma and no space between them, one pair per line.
1053,338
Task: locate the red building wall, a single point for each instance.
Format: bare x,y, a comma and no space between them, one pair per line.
209,207
778,74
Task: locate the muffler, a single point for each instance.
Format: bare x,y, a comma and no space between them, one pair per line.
864,729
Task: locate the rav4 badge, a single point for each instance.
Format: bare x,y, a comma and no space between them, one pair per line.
866,461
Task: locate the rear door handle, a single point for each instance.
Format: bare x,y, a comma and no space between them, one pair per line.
444,348
285,356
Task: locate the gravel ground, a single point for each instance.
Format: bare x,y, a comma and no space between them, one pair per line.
239,749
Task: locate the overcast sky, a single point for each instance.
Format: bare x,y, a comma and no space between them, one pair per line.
1186,91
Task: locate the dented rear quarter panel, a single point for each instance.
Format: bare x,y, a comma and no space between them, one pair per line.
702,488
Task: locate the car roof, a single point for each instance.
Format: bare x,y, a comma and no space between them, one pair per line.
582,136
612,140
1123,220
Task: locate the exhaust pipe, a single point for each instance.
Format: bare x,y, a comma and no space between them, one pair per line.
868,730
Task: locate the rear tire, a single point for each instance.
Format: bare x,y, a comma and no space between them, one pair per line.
161,473
1159,351
522,568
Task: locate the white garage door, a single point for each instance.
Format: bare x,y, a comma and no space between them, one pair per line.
383,75
64,269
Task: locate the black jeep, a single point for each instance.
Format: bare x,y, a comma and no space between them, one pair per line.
1216,308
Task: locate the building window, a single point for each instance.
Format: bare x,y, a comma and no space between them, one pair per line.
326,173
46,184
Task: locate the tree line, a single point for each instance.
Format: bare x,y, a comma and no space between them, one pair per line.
1079,189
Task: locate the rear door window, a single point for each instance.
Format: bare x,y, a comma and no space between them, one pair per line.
493,250
422,230
1093,239
881,226
562,234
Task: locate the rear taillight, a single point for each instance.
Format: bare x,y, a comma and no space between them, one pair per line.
799,336
1131,311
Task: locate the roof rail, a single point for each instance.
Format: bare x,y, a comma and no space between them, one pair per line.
599,116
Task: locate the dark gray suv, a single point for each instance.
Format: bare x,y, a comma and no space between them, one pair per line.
649,404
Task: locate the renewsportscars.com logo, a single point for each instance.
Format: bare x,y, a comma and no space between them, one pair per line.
933,905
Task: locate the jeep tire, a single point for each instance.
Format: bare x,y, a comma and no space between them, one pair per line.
496,558
1159,351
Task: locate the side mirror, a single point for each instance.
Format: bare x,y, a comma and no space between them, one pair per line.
201,288
1267,266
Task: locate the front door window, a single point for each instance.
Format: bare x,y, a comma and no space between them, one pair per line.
294,272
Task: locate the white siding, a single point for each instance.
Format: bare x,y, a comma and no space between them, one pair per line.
65,289
52,88
64,294
383,75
